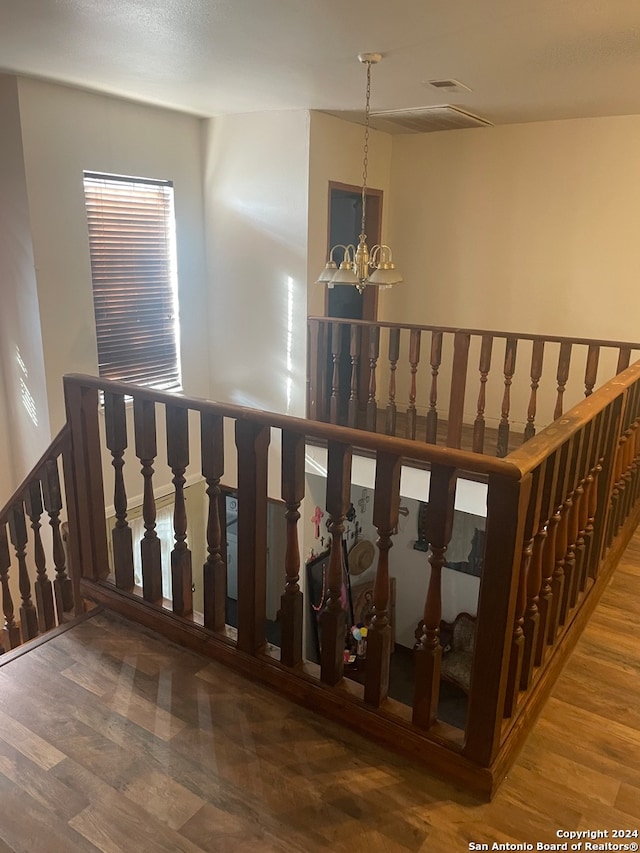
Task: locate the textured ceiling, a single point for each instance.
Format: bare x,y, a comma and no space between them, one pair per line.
523,60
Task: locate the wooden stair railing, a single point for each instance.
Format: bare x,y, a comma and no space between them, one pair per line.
530,392
559,511
45,602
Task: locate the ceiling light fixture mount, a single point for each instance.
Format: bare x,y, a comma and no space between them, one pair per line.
360,265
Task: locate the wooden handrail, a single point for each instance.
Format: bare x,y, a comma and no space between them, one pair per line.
406,448
524,336
59,444
547,441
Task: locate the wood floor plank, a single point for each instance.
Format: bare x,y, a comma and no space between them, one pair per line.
28,743
112,739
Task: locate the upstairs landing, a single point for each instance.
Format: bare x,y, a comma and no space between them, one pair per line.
112,739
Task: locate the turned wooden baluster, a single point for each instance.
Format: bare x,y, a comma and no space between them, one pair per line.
10,631
291,610
591,369
428,651
374,353
386,507
545,599
52,495
333,623
354,355
484,367
570,592
633,466
178,460
526,612
517,639
564,361
569,566
214,571
618,488
533,626
580,519
435,361
394,355
144,418
18,534
532,618
336,351
624,357
593,537
252,442
42,586
558,535
509,369
116,439
414,360
537,355
560,580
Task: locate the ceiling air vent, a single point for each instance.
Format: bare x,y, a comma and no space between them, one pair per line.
449,85
426,120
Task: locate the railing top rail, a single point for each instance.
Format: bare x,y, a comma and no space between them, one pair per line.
527,457
58,445
496,334
406,448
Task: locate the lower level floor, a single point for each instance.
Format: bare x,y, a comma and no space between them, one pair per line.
112,739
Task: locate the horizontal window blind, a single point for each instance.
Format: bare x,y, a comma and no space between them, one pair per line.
133,271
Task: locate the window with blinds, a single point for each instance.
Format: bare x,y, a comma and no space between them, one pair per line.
133,268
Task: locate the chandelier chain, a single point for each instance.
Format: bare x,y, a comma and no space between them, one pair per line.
365,162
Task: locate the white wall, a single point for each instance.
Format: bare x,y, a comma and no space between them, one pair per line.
21,354
256,203
527,227
335,154
66,131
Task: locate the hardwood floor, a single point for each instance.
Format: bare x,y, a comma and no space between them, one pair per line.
113,740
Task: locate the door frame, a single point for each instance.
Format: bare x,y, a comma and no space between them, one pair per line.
374,236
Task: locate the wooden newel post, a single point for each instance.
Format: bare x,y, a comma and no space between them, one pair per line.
116,438
214,571
428,651
461,343
87,523
291,600
507,502
178,459
333,620
385,519
252,441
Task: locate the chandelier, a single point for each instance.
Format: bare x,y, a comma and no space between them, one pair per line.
360,265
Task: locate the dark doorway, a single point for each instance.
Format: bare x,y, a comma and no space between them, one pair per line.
343,300
345,216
